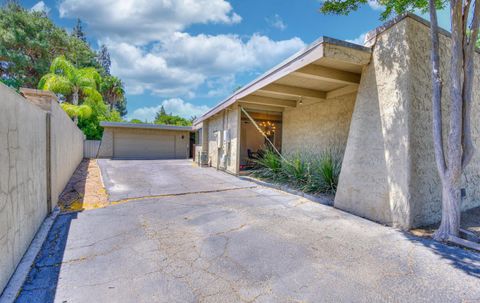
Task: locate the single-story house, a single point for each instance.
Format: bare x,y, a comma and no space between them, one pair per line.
145,141
372,101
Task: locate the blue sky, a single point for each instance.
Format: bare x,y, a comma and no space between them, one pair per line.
190,54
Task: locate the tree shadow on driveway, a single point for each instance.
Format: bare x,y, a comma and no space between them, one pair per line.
42,280
466,260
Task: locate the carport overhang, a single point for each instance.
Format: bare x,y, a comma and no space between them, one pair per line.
326,69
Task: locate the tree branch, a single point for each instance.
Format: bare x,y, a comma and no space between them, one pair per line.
468,76
437,92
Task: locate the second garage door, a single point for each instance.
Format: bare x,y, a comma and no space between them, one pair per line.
144,145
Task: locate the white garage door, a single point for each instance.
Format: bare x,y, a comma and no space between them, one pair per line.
144,146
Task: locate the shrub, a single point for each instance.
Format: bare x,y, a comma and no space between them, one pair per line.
312,173
269,166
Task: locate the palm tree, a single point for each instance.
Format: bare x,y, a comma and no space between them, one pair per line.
65,79
112,90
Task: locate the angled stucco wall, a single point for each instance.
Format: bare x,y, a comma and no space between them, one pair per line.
40,148
106,147
375,177
389,173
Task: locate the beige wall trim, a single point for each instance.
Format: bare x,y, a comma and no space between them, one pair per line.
349,89
318,72
252,99
286,90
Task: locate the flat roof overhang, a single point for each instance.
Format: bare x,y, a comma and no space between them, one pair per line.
326,69
145,126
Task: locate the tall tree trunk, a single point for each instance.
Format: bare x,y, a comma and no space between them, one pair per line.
460,147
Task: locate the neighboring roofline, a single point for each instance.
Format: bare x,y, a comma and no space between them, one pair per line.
297,56
146,126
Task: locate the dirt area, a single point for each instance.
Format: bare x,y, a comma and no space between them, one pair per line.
470,221
85,189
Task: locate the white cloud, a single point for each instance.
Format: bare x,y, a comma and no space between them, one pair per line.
175,106
277,22
153,54
142,21
40,7
359,40
375,5
180,63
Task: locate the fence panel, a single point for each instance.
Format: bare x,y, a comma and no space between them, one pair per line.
90,148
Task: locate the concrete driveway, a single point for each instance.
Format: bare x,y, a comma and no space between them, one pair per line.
126,179
222,240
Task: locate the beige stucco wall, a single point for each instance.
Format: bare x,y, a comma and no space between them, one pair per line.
24,163
23,187
425,183
389,174
314,126
225,120
66,149
107,145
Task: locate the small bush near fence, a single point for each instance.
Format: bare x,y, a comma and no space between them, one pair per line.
310,173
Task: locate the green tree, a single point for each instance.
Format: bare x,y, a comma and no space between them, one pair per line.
28,43
136,121
103,58
80,54
453,157
121,107
78,32
168,119
112,90
70,82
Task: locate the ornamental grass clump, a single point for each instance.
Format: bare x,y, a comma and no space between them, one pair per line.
269,166
311,173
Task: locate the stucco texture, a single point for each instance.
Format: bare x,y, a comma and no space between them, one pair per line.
226,120
389,173
40,148
313,126
425,183
66,149
23,183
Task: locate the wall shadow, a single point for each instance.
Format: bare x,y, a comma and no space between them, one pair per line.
72,197
42,280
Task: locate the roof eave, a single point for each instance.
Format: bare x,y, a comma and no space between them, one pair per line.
321,48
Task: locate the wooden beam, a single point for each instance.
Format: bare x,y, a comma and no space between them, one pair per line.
252,99
287,90
327,74
261,108
342,91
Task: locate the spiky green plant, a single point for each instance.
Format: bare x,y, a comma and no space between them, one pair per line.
269,166
295,168
313,173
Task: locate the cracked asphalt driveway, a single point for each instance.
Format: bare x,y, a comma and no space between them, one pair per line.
220,239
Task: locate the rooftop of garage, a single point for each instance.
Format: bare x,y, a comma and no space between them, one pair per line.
145,126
